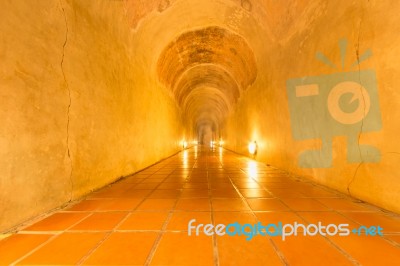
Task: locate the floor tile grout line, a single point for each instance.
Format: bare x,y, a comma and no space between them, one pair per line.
279,253
107,235
275,248
94,248
98,244
34,250
275,197
156,243
392,242
335,192
262,186
214,237
26,255
337,247
169,172
129,213
330,209
27,223
342,251
384,237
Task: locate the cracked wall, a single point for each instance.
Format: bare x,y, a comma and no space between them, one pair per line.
79,108
350,146
86,95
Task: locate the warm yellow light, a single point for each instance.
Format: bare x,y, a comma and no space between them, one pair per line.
185,159
184,144
252,169
221,142
252,147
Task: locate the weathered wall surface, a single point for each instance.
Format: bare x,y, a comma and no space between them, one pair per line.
94,90
79,108
300,103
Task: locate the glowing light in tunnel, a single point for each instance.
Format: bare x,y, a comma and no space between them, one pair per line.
252,170
207,69
185,159
221,142
184,144
252,147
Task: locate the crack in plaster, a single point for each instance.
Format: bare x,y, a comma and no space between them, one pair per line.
363,97
69,96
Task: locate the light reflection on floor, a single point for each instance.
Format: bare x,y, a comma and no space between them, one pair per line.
143,219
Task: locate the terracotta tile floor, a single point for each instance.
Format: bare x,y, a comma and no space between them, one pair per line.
143,220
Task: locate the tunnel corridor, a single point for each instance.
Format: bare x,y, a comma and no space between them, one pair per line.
143,219
124,120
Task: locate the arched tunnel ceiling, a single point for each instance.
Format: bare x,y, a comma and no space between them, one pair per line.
207,75
203,100
206,69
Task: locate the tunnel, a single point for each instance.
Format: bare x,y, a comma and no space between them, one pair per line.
199,132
